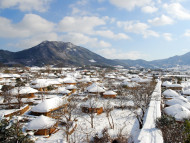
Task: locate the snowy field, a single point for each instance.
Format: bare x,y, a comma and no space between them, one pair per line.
122,120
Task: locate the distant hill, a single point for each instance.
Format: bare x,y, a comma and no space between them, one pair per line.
55,53
163,63
135,63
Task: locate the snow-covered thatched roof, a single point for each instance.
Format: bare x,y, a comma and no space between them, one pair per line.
49,104
69,87
169,93
85,80
94,88
175,85
22,90
178,112
109,92
166,83
183,102
69,80
61,90
40,83
186,92
41,122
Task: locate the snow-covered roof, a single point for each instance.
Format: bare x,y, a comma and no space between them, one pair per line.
94,79
166,83
183,102
121,77
22,90
170,93
130,84
109,92
2,75
41,122
61,90
186,92
111,76
71,87
136,79
175,85
40,83
178,112
85,80
95,88
49,104
69,80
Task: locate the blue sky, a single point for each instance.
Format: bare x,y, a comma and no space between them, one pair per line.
122,29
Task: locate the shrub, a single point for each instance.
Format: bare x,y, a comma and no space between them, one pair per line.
172,130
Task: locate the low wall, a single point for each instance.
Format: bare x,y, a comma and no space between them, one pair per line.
149,133
18,112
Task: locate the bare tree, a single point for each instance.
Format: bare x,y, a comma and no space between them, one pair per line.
108,107
90,108
70,117
6,94
19,85
122,94
141,97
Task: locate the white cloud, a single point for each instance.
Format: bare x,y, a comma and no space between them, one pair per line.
8,30
111,35
150,33
149,9
33,41
112,53
177,10
168,36
187,33
138,28
160,21
35,24
79,8
81,39
80,24
26,5
30,25
130,4
131,26
88,25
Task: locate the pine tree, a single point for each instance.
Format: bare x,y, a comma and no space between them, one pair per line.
11,132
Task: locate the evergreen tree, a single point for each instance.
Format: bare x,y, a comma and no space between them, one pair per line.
11,132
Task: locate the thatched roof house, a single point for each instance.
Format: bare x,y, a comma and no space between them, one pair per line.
42,125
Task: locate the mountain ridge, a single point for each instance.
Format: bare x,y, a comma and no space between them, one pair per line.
55,53
60,53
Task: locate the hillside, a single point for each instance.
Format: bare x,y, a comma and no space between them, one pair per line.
55,53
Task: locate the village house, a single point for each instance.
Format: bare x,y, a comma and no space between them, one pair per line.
109,94
42,125
48,106
92,106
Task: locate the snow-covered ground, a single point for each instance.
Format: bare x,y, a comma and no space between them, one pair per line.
124,120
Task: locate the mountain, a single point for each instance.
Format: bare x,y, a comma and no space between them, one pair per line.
54,53
163,63
66,54
135,63
173,61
